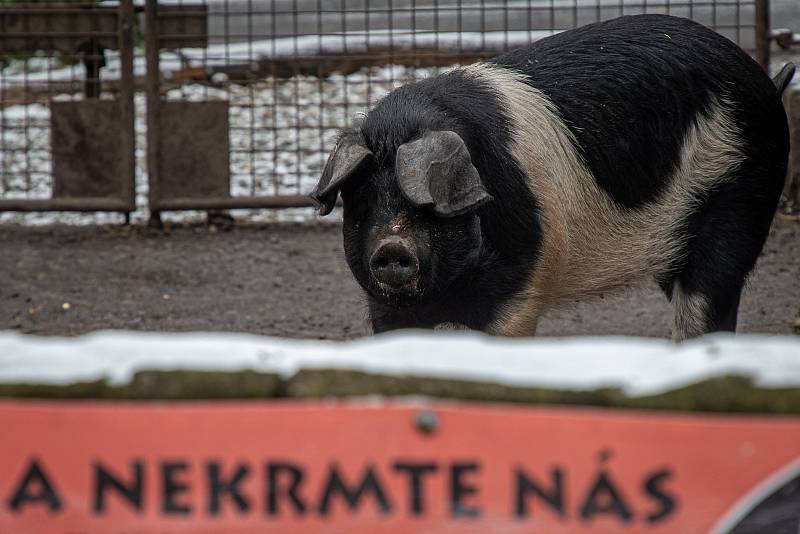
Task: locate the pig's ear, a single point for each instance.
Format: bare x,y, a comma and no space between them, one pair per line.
345,159
436,170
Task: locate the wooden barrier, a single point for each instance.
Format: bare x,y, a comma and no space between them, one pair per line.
311,467
295,459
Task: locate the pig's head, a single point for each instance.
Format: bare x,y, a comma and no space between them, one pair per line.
411,223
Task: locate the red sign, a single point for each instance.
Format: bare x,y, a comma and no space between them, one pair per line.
299,467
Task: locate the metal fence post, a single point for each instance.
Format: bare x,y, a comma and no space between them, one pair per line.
153,99
762,33
791,190
126,104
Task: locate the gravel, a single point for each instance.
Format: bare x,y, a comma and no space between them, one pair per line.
286,279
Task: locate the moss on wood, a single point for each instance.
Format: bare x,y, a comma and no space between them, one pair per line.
721,394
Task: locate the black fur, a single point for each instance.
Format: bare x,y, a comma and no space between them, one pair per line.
509,227
629,89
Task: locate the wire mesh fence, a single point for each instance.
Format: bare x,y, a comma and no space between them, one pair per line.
53,55
296,72
293,72
39,65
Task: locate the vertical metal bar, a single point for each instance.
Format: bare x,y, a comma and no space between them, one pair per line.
126,109
320,88
50,67
5,156
483,23
26,124
235,153
506,29
714,23
368,79
738,19
574,14
345,117
762,33
152,89
275,89
460,27
251,99
395,81
204,61
436,24
529,27
413,74
297,109
792,187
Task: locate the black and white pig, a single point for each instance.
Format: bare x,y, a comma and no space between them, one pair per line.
642,147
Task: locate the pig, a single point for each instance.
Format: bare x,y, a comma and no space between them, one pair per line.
645,147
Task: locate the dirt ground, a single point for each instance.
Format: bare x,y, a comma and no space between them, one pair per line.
285,280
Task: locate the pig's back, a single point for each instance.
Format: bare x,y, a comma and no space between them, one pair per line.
631,88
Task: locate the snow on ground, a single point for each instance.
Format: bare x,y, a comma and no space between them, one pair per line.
639,366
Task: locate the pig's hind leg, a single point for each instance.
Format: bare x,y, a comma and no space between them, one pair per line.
723,241
699,310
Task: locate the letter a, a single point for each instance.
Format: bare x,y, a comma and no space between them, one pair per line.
35,487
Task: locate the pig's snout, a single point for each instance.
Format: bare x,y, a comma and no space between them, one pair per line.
394,265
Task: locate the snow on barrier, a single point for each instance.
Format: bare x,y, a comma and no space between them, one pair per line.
637,366
411,465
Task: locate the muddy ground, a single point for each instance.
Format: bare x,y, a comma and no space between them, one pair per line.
285,280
